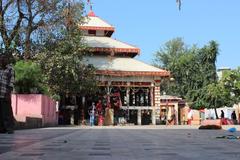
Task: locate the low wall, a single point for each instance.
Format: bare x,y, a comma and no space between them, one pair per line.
34,110
217,122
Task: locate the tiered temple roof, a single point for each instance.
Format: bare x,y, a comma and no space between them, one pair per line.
124,66
113,57
107,45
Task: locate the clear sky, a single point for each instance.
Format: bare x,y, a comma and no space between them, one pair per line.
148,24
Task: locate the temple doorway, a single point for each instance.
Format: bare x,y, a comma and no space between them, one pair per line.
146,117
133,116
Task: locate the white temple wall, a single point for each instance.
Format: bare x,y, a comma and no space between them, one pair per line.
126,79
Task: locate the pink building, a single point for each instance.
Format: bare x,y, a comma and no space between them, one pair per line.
34,110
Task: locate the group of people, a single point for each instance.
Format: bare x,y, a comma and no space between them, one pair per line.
233,116
6,87
168,118
96,113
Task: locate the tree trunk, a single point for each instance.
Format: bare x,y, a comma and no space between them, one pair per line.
215,109
29,30
27,53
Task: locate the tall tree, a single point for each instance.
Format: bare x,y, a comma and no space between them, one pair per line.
180,60
37,14
192,68
206,77
62,55
208,56
24,23
11,17
168,55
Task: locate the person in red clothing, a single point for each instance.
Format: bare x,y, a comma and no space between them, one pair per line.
99,108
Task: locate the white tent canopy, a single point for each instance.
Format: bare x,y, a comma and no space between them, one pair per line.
210,113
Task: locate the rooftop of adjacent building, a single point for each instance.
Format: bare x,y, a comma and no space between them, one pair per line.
224,69
221,70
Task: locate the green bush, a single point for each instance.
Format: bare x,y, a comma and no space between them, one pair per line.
28,78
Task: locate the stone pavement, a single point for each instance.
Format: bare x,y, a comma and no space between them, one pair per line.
119,143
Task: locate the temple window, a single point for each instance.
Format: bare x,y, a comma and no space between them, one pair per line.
139,97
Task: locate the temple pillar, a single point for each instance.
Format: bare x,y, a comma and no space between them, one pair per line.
128,98
157,95
83,110
139,117
176,112
156,99
108,93
152,105
153,116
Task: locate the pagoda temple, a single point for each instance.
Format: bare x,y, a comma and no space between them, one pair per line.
129,86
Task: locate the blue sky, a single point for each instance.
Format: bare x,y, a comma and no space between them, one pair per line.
148,24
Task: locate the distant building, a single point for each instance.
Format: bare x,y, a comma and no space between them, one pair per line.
221,71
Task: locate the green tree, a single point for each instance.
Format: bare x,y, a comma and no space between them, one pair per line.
28,78
216,96
25,23
224,92
192,68
231,81
61,58
181,61
207,57
168,55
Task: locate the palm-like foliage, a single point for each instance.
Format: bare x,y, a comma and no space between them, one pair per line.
194,71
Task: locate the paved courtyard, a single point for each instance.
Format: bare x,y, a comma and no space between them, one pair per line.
119,143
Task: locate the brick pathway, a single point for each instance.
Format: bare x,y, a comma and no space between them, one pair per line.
120,143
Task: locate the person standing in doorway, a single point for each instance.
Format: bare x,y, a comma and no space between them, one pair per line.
6,87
